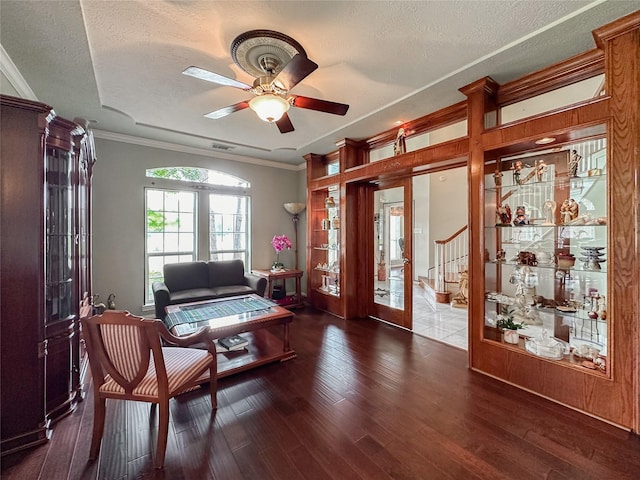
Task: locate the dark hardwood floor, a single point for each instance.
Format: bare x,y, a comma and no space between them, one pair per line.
363,400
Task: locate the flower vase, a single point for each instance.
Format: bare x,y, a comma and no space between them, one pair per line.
511,336
277,266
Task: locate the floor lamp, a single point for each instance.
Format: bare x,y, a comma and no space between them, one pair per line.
295,209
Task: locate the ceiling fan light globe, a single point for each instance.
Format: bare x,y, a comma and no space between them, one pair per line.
269,107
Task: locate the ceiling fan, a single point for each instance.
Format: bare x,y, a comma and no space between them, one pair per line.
279,63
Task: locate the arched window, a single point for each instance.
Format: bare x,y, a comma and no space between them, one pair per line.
178,210
198,175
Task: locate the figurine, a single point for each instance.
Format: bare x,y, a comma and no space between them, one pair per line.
461,298
497,178
520,217
565,215
504,214
549,209
573,208
541,169
602,307
569,211
574,159
399,146
111,302
516,167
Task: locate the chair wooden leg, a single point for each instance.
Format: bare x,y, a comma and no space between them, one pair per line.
213,384
163,431
99,408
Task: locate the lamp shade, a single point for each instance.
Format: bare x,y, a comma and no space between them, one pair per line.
294,208
269,107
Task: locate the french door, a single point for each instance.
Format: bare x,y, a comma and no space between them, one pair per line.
391,296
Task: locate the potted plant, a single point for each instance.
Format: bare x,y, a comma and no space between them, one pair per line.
279,243
508,326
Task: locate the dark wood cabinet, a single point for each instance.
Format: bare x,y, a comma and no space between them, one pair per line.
46,164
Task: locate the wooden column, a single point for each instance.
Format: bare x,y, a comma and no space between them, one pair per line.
480,107
620,41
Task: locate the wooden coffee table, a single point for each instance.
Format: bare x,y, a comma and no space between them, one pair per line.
248,315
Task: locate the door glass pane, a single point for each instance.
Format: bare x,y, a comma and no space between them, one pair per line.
388,231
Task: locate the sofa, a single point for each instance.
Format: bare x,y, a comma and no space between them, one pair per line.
195,281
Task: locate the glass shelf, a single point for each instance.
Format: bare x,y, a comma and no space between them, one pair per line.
324,255
544,273
560,181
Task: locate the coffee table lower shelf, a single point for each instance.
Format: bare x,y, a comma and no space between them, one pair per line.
264,347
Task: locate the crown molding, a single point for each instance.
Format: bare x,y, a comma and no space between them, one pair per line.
174,147
14,76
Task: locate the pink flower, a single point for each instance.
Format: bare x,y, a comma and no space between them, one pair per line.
280,242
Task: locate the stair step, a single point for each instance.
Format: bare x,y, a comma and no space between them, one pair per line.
428,285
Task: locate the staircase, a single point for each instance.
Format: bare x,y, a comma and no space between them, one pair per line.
451,258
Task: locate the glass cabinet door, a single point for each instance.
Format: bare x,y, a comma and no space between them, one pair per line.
546,240
60,217
326,248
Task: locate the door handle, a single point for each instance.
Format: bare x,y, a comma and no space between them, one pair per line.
405,260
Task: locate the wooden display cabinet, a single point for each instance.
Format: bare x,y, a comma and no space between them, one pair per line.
605,131
46,166
324,259
607,190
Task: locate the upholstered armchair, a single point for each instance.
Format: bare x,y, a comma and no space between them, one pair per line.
129,362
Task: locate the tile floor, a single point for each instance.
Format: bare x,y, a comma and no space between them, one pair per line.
444,323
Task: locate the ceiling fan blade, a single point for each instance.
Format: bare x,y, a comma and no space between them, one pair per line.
294,71
320,105
284,124
202,74
223,112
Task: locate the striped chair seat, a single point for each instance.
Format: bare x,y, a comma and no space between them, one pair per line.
182,364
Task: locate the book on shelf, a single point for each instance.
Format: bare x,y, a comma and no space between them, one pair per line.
233,342
221,349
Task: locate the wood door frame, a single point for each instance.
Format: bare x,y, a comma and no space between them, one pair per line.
404,317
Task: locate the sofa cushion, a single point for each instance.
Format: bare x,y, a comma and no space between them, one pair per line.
231,290
192,295
186,276
226,272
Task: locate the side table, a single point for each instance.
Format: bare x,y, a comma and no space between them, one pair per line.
292,301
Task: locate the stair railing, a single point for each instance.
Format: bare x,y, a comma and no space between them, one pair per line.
451,257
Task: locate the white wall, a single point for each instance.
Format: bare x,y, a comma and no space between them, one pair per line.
5,86
440,208
118,213
421,234
449,204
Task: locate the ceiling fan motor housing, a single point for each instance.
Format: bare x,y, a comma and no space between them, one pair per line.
266,84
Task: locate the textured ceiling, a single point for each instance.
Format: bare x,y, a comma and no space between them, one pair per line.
120,62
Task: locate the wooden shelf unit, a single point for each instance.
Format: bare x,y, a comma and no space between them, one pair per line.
613,395
46,165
